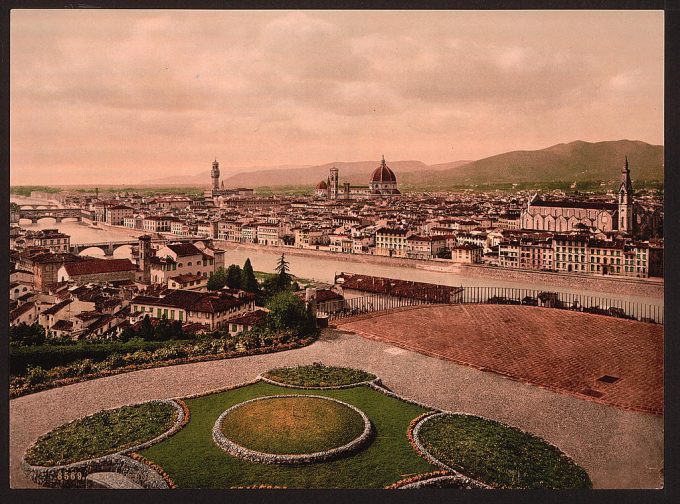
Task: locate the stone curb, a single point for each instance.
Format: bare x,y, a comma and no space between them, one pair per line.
427,455
329,387
305,458
466,483
73,475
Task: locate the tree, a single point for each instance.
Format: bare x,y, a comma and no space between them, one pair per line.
218,279
146,331
26,335
162,330
284,278
248,280
288,312
234,276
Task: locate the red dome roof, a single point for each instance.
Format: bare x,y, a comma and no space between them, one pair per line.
322,185
383,174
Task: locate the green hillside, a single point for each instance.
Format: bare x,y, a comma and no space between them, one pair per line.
573,162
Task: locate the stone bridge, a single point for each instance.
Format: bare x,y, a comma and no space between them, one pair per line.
107,247
110,247
58,214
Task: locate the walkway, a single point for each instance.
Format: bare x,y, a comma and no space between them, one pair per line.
618,448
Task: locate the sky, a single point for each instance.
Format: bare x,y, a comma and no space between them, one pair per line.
123,96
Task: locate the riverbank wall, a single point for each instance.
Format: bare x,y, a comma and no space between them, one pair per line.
652,288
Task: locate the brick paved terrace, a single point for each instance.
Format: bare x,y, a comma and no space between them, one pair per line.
599,358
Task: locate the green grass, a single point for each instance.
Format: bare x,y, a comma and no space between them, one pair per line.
292,425
499,455
102,433
192,459
318,376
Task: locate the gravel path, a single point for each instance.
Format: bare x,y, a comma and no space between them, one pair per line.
618,448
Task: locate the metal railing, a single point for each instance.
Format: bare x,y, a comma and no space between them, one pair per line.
600,305
377,302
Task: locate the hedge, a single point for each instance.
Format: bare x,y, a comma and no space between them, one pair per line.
49,356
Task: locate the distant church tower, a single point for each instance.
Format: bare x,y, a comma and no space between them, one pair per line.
333,185
144,261
626,200
215,175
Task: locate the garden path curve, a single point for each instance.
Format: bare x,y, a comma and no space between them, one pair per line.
618,448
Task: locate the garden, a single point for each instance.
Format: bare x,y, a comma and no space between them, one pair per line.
306,427
38,361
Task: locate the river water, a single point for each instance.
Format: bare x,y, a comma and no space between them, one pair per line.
322,269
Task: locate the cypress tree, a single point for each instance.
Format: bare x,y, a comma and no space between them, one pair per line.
248,280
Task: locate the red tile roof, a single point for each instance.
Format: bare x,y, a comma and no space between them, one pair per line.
98,266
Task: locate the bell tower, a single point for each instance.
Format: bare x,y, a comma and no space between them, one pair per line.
215,175
333,185
625,197
144,261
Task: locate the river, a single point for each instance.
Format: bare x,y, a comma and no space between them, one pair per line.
322,269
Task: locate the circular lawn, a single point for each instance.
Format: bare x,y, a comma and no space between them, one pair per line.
292,425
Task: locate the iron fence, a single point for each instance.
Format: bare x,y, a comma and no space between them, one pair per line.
601,305
377,302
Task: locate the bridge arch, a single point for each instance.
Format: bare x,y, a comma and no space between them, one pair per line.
93,251
123,251
38,219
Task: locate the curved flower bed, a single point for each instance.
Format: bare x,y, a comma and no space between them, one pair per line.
501,456
317,377
73,475
242,452
436,479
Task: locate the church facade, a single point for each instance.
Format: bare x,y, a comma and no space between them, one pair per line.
573,215
383,182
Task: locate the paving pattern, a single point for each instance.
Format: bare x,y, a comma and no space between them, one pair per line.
618,448
557,349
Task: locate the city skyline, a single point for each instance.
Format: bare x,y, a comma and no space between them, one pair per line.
110,96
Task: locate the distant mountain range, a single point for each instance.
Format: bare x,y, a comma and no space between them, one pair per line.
572,162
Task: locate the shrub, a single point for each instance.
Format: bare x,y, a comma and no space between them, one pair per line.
288,312
35,375
49,356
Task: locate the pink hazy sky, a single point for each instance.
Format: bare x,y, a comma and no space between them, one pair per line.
104,96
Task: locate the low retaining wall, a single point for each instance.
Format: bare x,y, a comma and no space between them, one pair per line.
241,452
74,475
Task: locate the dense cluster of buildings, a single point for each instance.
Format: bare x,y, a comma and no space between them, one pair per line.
183,239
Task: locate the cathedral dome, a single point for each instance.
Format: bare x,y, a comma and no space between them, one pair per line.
383,174
322,185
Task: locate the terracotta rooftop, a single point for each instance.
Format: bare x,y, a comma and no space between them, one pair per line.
98,266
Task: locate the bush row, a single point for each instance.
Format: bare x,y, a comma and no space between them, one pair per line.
49,356
36,378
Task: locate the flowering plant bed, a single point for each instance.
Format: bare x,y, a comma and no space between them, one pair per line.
318,375
496,454
38,379
101,434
